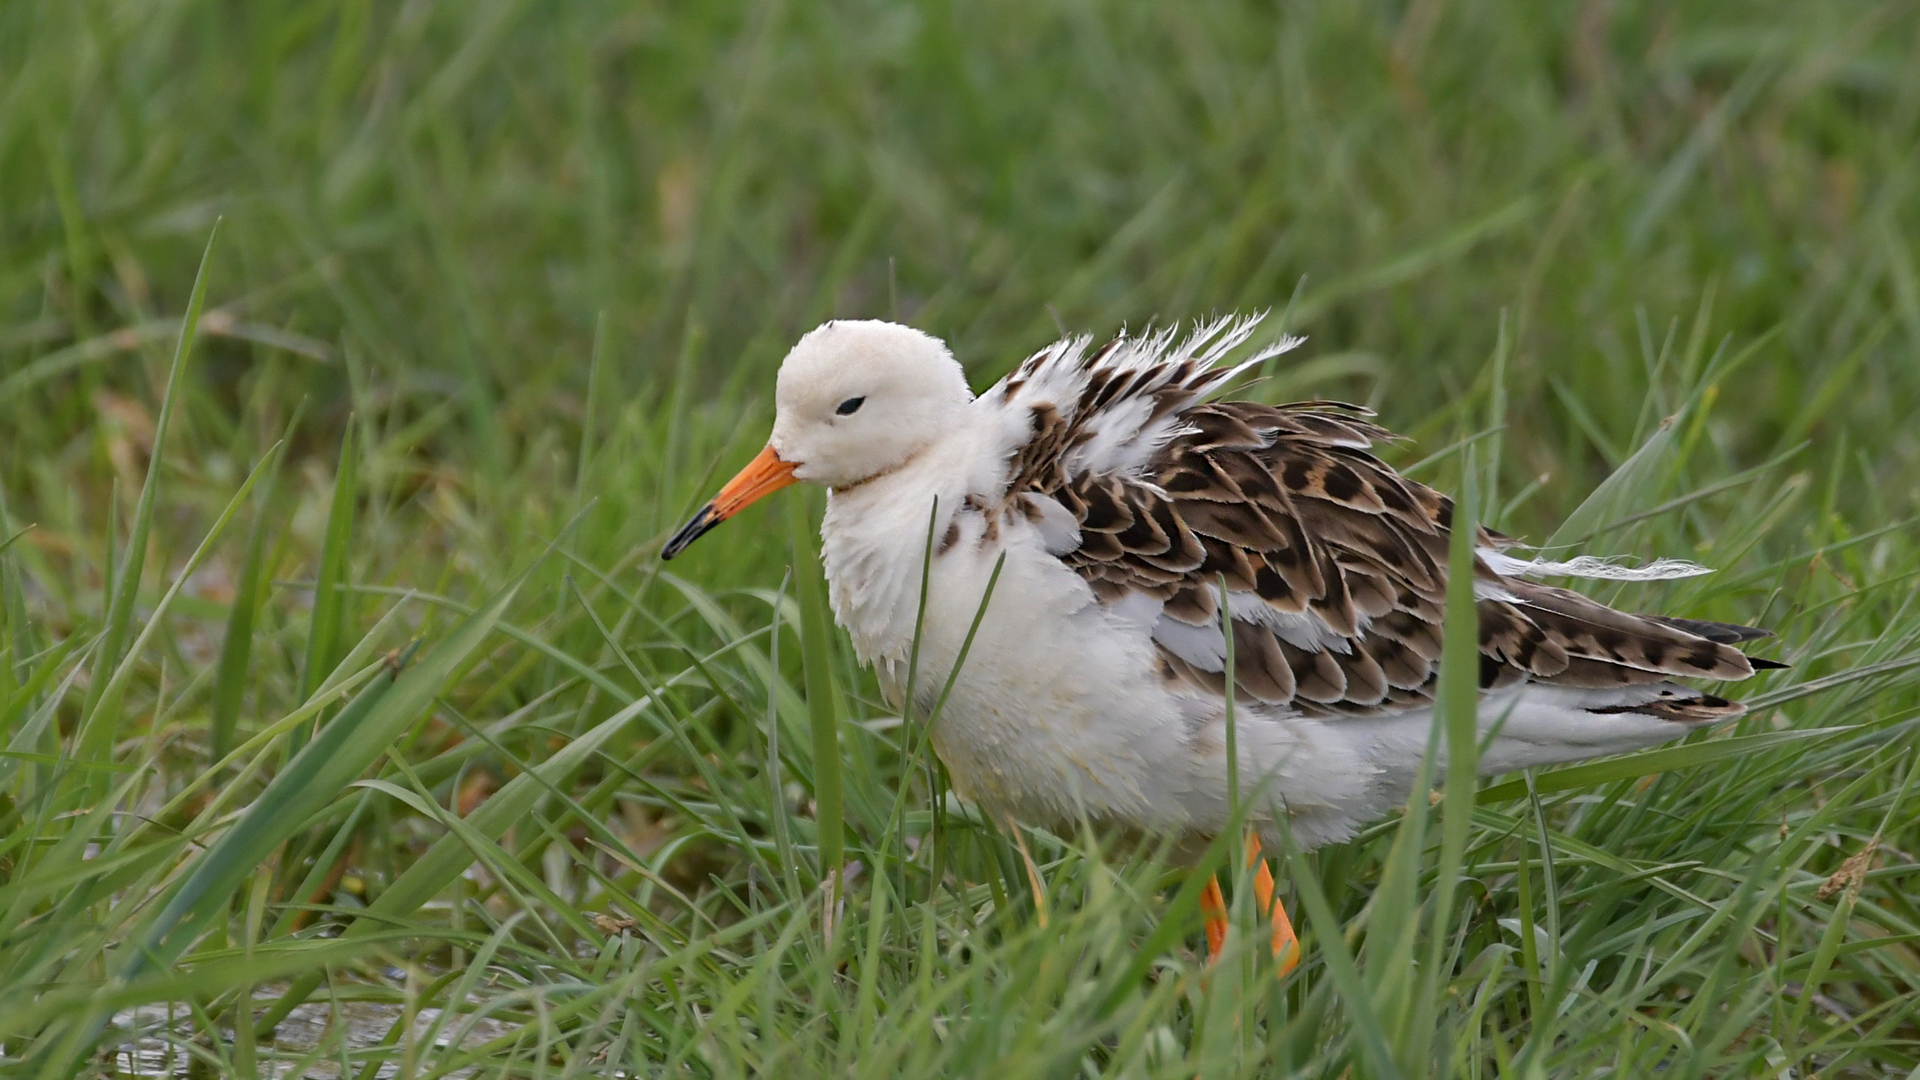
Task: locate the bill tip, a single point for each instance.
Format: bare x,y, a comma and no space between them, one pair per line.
697,526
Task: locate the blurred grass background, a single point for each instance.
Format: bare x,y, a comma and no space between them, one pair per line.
490,266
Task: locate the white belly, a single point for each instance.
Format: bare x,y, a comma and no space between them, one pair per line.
1056,714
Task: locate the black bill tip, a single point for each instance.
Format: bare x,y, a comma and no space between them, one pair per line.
695,528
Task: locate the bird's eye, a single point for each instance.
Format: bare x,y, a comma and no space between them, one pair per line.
850,406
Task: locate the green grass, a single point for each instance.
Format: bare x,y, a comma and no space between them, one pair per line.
495,299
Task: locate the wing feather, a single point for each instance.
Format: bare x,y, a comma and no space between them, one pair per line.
1333,563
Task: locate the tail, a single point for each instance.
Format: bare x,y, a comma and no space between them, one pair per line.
1601,662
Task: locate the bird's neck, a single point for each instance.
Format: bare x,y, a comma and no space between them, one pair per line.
874,538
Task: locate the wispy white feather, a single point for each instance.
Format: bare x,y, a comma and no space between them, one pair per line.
1590,566
1124,434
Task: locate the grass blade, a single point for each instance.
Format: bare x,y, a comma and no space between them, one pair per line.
236,648
822,701
1457,701
97,725
114,686
19,637
292,797
329,598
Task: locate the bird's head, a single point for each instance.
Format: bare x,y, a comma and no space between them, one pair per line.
855,399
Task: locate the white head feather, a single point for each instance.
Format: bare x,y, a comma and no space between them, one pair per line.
859,398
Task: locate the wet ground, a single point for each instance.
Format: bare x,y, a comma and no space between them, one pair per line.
155,1042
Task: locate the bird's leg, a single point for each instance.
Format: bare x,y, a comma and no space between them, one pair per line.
1262,877
1213,908
1033,872
1286,945
1213,905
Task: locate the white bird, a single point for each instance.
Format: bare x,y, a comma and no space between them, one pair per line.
1120,499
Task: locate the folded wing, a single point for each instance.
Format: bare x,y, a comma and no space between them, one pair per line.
1334,566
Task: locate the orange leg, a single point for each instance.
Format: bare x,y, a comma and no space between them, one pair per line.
1286,945
1213,908
1263,877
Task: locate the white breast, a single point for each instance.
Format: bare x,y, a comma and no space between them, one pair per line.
1057,712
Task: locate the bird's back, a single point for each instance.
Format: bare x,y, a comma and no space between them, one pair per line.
1334,566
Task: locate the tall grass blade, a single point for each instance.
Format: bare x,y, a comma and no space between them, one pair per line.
1456,710
19,639
1622,491
823,704
236,648
112,688
1348,984
295,794
329,595
98,726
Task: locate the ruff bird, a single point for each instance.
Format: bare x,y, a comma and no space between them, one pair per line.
1137,526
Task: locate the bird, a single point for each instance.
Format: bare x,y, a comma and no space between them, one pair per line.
1099,533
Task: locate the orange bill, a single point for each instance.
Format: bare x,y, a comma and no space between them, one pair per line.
763,476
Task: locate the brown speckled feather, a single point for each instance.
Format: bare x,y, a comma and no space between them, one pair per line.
1334,564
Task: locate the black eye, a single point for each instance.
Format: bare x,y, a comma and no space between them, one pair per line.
850,406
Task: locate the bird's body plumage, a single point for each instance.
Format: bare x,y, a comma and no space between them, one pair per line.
1135,526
